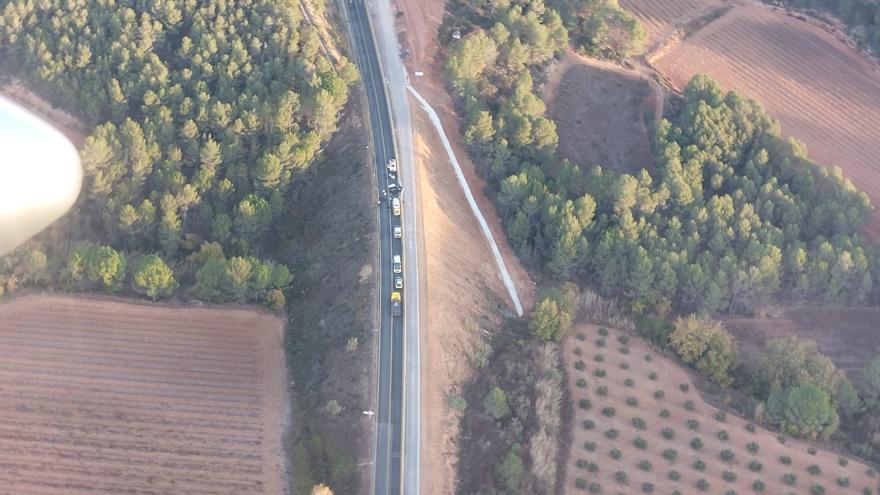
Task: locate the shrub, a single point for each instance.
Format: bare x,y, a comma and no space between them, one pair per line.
585,404
664,413
640,443
729,476
645,465
602,390
814,469
785,460
623,339
599,373
611,434
592,467
652,376
696,443
843,482
621,477
623,349
581,483
811,451
639,423
780,439
599,358
629,382
758,486
702,485
684,387
755,466
581,383
673,475
752,447
720,415
600,342
632,401
723,436
867,491
751,428
647,487
705,344
670,455
689,405
590,446
726,455
692,424
603,331
589,424
594,488
578,351
582,464
842,461
615,454
581,336
668,433
608,412
817,489
580,365
624,366
659,394
871,472
789,479
699,465
649,358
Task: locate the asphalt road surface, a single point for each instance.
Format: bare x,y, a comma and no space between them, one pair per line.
387,477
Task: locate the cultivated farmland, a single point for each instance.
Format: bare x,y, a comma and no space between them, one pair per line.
823,92
105,397
641,427
662,17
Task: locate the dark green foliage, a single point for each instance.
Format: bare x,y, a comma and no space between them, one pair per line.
652,376
803,410
639,423
684,387
620,477
584,404
581,464
689,405
814,469
659,394
842,461
750,427
648,358
510,472
720,416
699,465
632,401
664,413
580,365
552,316
670,455
654,329
629,382
608,411
696,443
758,486
692,424
599,373
581,336
752,447
603,331
578,352
600,342
702,485
789,478
723,436
601,28
647,487
640,443
611,434
580,483
590,446
615,454
785,460
623,366
673,475
623,349
729,476
592,467
496,403
668,433
623,339
780,439
842,482
594,488
645,465
599,358
581,383
589,424
726,455
816,489
755,466
602,390
812,450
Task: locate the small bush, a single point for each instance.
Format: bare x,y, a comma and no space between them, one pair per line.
842,461
603,331
729,476
867,491
843,482
624,366
580,365
670,455
599,373
816,489
590,446
755,466
589,424
689,405
758,486
599,358
751,428
585,404
640,443
629,382
581,336
602,390
684,387
594,488
615,454
673,475
702,485
696,443
649,358
639,423
645,465
600,342
647,488
753,448
723,435
699,465
581,383
785,460
611,434
780,439
720,416
608,412
726,455
693,424
632,401
811,451
581,483
814,469
668,433
623,339
623,349
592,467
659,394
871,472
620,477
582,464
789,479
652,376
664,413
578,351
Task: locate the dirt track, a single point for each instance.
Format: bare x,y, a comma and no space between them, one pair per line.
108,397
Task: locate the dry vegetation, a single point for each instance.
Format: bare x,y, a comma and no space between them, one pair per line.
108,397
637,412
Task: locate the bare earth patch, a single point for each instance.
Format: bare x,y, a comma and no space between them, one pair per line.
642,420
602,113
823,92
106,397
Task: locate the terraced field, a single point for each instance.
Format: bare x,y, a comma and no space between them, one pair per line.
822,92
107,397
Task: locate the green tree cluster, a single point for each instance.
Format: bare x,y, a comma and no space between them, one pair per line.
240,279
554,314
601,28
804,411
90,266
705,344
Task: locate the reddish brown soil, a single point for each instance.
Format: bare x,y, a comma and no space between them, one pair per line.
848,336
662,17
669,376
109,397
600,112
823,92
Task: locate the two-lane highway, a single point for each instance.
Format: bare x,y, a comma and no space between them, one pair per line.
387,478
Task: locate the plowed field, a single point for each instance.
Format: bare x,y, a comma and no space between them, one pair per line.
104,397
662,17
822,92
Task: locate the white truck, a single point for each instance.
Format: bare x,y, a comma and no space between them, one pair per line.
395,206
392,165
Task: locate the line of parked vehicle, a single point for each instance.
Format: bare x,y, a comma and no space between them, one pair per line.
393,192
